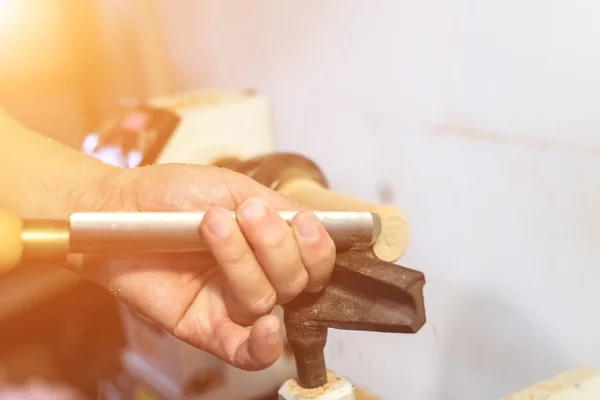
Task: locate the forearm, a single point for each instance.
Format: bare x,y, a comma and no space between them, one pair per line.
41,178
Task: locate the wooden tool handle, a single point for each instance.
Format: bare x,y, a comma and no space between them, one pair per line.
393,241
11,244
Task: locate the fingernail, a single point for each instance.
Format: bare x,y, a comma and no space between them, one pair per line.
253,209
273,336
307,227
219,226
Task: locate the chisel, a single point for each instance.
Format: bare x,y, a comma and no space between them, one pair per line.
143,232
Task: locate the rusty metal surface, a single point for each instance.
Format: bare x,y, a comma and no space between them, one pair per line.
364,294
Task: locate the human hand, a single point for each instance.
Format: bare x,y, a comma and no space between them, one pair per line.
255,261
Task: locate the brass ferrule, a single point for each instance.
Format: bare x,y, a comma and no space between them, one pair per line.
43,240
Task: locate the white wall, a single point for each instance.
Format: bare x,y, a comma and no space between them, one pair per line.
482,119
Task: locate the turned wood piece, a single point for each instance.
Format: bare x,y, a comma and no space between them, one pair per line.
300,179
580,383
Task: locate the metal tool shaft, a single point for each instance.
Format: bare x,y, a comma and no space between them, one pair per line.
107,232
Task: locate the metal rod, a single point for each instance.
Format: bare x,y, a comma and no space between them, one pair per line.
180,231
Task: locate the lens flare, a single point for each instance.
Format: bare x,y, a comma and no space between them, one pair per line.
9,13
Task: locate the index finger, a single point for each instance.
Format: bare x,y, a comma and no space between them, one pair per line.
242,187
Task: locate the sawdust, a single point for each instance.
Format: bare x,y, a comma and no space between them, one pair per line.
307,394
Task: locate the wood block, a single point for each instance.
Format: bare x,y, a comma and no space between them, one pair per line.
581,383
216,124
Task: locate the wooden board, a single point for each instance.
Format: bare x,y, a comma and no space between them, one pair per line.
581,383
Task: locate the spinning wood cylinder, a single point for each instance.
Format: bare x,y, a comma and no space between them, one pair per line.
300,179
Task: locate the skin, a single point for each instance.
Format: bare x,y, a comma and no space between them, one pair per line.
208,300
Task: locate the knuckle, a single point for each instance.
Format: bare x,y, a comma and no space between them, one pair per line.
192,330
237,254
265,304
212,214
321,267
324,253
294,287
272,239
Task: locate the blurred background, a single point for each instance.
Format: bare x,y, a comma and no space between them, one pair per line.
63,67
65,64
478,119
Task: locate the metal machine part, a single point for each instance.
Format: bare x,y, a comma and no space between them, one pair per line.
45,239
134,136
364,294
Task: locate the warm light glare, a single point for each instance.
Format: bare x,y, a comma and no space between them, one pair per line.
10,11
30,37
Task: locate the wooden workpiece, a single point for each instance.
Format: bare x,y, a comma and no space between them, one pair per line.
393,241
300,179
581,383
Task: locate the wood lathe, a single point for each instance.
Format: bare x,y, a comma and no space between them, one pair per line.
366,292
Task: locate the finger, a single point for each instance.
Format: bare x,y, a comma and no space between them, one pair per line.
250,350
245,278
242,187
274,246
317,249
